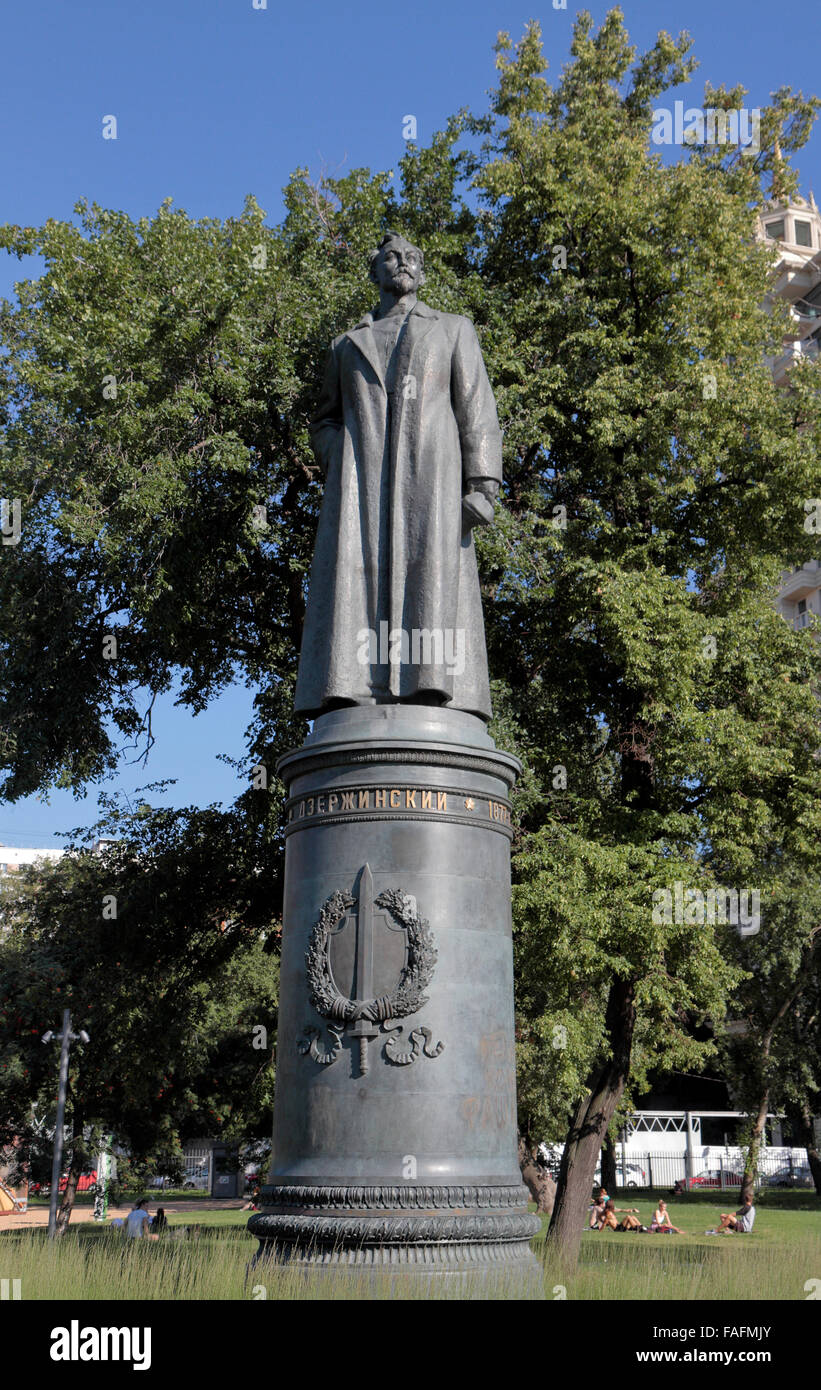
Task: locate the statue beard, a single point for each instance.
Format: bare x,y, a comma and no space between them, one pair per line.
402,283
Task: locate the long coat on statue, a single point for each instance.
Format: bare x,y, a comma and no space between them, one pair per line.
394,609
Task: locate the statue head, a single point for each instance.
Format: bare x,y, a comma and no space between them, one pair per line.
397,266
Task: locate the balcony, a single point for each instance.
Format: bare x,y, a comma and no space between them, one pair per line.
802,582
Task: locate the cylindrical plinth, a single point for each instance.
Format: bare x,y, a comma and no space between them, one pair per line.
395,1141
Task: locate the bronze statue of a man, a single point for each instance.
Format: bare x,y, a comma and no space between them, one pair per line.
408,441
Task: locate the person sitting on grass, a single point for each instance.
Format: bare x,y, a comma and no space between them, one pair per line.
740,1221
597,1209
628,1222
158,1225
661,1220
136,1223
252,1201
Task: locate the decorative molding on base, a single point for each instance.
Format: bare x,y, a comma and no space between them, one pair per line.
404,1231
293,765
401,1197
483,1255
511,1260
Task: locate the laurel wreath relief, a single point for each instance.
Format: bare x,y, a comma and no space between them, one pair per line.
408,997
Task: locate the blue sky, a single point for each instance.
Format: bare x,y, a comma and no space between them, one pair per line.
215,99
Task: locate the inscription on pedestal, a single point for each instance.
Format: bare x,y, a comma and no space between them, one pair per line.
343,803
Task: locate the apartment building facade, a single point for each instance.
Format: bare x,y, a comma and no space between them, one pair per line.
793,228
13,858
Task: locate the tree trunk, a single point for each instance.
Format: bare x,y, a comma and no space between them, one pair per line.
751,1163
74,1170
801,1121
539,1182
608,1165
811,1146
591,1121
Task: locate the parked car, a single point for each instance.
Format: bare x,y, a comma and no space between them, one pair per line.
84,1184
799,1175
631,1175
194,1178
709,1179
714,1177
197,1177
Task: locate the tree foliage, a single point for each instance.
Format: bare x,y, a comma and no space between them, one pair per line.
163,946
655,481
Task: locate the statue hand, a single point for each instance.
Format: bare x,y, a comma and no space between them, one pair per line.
330,452
477,510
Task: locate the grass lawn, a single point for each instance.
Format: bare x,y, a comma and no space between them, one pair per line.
776,1260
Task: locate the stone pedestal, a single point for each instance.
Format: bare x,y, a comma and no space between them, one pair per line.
395,1144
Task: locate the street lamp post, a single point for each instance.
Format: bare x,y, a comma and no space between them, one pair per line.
67,1038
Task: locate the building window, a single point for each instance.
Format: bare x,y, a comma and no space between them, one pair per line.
803,233
810,306
802,605
775,230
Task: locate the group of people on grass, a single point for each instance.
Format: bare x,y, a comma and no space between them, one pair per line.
139,1224
604,1212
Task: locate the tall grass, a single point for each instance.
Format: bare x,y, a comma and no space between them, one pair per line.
733,1267
216,1267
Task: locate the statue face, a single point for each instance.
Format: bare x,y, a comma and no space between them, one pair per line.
398,268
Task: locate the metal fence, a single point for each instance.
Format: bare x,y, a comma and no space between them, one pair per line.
776,1168
198,1165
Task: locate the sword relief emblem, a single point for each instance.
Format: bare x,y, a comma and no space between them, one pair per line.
360,946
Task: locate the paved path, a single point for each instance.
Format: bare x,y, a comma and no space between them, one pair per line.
38,1216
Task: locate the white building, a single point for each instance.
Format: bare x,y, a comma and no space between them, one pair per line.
699,1148
800,594
13,859
794,228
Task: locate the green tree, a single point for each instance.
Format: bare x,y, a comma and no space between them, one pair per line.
655,489
771,1048
655,482
164,948
156,383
